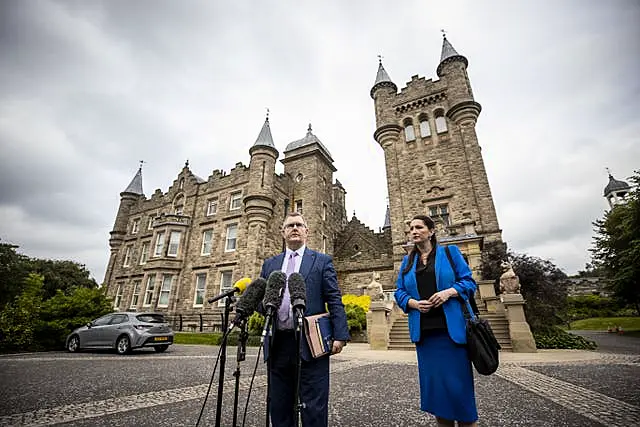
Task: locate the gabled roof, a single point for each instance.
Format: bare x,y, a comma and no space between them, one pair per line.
309,139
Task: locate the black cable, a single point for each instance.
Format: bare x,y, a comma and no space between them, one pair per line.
213,374
253,376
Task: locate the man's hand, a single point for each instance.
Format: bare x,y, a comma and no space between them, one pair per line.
337,347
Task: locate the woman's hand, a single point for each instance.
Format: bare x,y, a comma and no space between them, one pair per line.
422,306
441,297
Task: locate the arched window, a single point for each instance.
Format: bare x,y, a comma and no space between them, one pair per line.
425,129
409,132
441,121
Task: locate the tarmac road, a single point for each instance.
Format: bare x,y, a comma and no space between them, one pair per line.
368,388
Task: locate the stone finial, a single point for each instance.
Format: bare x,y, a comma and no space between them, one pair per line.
509,281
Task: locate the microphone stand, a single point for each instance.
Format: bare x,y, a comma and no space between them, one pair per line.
268,330
223,356
241,356
296,392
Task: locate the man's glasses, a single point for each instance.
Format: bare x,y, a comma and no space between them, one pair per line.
293,225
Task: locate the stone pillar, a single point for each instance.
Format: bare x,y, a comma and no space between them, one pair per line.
378,324
521,338
488,295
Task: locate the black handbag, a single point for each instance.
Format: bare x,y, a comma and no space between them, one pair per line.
482,345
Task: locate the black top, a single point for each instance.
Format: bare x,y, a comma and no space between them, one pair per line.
426,277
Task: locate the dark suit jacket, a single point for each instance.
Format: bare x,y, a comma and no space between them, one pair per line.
322,292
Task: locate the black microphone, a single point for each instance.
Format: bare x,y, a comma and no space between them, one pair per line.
249,301
239,286
298,292
273,294
272,299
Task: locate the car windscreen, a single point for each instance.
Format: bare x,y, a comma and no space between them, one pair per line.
150,318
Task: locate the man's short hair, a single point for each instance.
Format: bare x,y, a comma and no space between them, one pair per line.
294,214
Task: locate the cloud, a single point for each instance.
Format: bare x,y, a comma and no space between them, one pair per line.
87,89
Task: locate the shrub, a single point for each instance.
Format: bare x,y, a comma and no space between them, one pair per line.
356,318
363,301
554,337
588,306
63,313
255,324
18,318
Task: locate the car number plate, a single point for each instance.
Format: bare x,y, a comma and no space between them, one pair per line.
160,339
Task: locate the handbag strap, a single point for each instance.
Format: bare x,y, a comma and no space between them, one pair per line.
466,307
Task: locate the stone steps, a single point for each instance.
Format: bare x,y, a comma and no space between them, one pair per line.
399,338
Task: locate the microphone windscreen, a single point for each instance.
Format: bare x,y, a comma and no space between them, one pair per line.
297,288
249,301
242,284
275,288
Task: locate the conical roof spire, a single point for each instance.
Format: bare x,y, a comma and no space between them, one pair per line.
449,54
387,219
264,137
135,186
382,78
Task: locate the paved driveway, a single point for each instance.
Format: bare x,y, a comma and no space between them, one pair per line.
612,343
367,389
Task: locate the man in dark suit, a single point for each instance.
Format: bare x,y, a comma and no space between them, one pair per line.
322,292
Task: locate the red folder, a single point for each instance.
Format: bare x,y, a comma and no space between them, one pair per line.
319,333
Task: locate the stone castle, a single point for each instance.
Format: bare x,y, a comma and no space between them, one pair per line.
174,250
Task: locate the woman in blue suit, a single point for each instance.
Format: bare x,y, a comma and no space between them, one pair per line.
427,291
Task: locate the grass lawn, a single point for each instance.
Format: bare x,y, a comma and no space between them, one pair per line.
628,324
196,338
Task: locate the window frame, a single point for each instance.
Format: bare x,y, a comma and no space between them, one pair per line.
170,253
212,207
227,240
135,294
149,290
117,299
160,238
135,226
204,241
197,291
144,253
128,250
163,291
235,196
223,274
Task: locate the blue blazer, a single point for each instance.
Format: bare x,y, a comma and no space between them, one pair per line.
407,287
322,292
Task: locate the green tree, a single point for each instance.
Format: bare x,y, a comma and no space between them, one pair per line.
18,318
14,269
542,284
62,275
616,246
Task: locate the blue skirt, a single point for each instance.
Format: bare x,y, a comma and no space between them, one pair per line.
446,378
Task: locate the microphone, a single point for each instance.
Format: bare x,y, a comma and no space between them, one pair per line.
298,292
249,301
239,287
274,291
272,299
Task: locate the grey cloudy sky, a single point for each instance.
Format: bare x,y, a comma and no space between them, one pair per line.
88,88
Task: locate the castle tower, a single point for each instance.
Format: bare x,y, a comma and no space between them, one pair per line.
259,201
128,198
433,161
309,166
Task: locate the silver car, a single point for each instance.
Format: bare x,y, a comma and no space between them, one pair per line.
123,332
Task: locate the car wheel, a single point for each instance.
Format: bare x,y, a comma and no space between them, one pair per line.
74,344
123,345
160,348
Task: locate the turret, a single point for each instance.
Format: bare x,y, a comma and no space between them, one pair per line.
128,198
616,191
259,202
453,70
383,93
